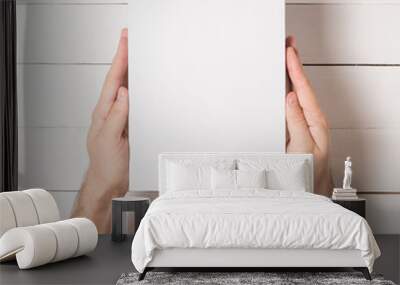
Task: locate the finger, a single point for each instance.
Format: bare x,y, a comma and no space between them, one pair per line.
126,130
287,134
116,77
117,120
119,67
296,123
291,42
303,89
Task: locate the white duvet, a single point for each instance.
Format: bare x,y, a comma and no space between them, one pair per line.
250,219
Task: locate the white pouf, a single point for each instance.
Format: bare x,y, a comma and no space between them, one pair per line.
40,244
27,208
67,239
23,208
33,246
7,216
45,205
87,233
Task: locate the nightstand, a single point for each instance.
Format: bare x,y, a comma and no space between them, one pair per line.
139,205
356,205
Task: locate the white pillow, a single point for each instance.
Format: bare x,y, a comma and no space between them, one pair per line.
281,174
251,178
288,177
223,179
188,177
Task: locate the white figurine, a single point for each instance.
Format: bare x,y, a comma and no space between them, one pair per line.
347,173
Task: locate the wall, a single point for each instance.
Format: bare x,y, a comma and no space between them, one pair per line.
350,49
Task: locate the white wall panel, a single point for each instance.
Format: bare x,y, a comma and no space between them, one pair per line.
69,33
65,201
376,158
65,95
358,97
346,33
52,158
383,213
326,33
55,158
58,95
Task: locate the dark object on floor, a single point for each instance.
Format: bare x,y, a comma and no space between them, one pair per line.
357,206
139,205
143,274
268,278
364,271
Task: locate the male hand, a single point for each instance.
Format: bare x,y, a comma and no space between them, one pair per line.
108,146
307,127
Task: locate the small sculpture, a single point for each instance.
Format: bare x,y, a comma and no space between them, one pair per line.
347,173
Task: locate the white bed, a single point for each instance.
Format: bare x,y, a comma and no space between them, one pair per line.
280,224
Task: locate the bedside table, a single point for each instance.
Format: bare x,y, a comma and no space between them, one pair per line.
139,205
357,206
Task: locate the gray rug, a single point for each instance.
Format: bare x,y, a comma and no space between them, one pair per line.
269,278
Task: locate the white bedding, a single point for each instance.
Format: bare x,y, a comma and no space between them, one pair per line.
250,218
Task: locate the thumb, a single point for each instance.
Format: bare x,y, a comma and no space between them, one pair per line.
295,120
118,116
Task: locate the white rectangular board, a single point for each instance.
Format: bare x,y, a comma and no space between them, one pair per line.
205,76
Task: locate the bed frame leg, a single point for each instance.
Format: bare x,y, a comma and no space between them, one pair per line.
364,271
143,274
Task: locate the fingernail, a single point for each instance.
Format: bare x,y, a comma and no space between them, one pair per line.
124,33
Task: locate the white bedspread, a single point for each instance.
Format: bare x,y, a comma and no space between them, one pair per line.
250,219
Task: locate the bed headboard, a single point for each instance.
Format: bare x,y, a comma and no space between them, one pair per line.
211,158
